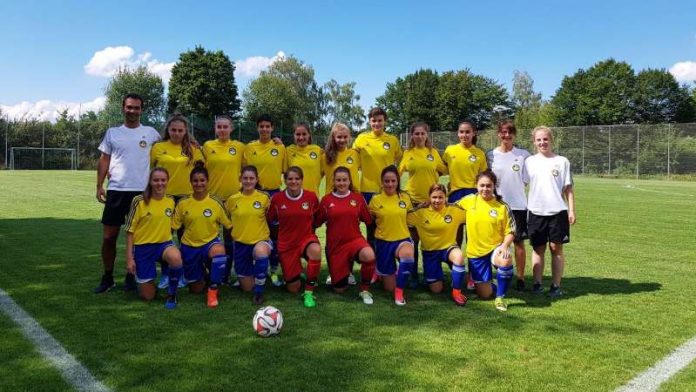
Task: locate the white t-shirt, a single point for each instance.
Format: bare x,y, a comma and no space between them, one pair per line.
512,176
547,179
130,156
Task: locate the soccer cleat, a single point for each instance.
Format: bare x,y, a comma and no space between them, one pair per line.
399,299
258,299
170,302
163,282
459,298
309,300
129,283
275,279
555,291
500,304
212,297
366,297
537,288
353,282
413,282
470,285
328,280
520,286
106,284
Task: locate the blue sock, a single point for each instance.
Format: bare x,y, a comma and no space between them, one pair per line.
274,261
217,269
403,272
175,275
260,267
164,267
504,276
229,251
458,273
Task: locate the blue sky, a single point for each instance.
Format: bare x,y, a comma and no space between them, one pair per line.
48,44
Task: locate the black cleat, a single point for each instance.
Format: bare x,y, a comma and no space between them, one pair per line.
258,299
520,286
129,283
106,284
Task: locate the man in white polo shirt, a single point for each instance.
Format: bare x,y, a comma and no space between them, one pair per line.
125,158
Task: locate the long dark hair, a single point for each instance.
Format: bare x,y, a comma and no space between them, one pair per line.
392,169
199,170
251,168
343,169
494,179
186,147
473,126
147,194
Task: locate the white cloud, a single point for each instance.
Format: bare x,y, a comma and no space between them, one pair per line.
684,71
252,66
46,110
107,61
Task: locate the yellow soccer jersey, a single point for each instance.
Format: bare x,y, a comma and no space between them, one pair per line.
390,215
463,165
309,160
269,159
348,158
248,214
376,153
437,229
201,219
487,224
224,164
424,167
169,156
150,223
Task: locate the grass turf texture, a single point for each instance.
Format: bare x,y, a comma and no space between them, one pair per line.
628,284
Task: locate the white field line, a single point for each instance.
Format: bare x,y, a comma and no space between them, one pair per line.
72,371
656,191
651,379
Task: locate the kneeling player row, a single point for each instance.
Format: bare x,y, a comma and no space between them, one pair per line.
251,215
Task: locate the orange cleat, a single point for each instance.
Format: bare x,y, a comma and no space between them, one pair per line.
212,297
459,298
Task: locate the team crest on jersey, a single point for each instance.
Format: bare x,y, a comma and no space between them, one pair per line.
305,205
349,160
515,167
386,146
168,212
283,207
472,158
555,172
257,204
493,213
448,218
430,157
232,151
402,204
353,203
274,152
207,213
142,144
313,155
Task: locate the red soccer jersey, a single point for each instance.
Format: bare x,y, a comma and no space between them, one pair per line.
294,216
342,215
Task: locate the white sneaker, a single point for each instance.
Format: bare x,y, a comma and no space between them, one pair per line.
366,297
328,280
351,280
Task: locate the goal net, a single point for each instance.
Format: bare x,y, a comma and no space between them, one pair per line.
37,158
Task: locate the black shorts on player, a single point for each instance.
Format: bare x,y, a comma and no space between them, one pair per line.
545,229
520,217
117,206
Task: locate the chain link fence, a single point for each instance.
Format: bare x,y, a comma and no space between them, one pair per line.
641,151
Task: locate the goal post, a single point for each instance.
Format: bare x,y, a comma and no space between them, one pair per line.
42,158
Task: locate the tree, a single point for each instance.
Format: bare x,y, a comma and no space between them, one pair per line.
342,104
410,99
526,102
271,95
203,85
660,99
139,81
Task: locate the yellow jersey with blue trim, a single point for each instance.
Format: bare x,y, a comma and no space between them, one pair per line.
348,158
269,159
307,158
376,153
150,223
437,230
464,164
248,214
201,219
487,224
224,163
390,214
171,157
424,167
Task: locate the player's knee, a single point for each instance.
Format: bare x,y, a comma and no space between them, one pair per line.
366,255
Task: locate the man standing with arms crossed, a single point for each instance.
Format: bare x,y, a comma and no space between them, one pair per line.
125,158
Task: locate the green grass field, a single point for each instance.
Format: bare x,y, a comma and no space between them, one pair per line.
629,301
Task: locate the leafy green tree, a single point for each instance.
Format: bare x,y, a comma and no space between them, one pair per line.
203,85
142,82
526,102
410,99
342,104
274,96
660,99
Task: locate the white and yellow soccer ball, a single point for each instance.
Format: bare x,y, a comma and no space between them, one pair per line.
268,321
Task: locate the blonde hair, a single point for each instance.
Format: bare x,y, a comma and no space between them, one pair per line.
331,149
543,128
420,124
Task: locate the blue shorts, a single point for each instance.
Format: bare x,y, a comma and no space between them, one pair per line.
432,263
455,196
244,258
195,259
146,258
368,196
481,268
386,255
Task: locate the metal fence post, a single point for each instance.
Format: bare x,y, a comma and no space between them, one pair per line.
638,152
609,150
583,150
669,134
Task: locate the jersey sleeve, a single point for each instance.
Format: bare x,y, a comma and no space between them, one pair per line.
372,207
272,212
446,156
403,167
133,216
364,212
197,155
439,164
484,161
154,155
568,179
178,220
105,145
412,218
510,227
398,152
224,220
320,214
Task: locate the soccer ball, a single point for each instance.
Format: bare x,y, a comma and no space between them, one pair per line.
268,321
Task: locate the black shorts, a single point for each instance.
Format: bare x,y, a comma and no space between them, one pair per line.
520,217
544,229
117,206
